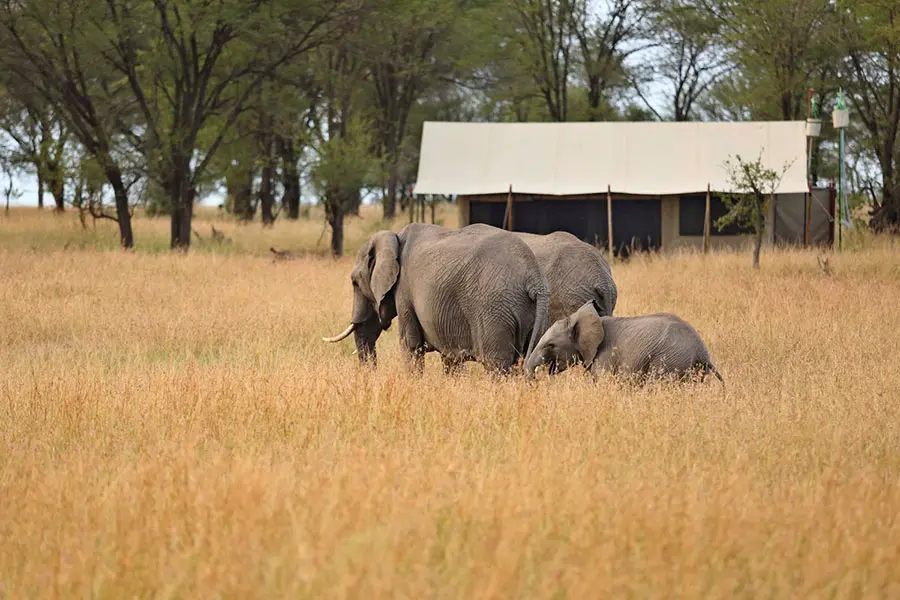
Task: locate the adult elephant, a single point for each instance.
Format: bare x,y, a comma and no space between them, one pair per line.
470,294
576,272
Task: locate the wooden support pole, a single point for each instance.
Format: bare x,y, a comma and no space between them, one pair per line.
609,219
706,223
509,209
806,233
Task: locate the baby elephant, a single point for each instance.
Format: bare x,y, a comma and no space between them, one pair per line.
646,345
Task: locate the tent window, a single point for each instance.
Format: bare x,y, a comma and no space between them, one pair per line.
691,210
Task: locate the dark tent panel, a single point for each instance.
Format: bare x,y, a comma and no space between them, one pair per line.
586,219
489,213
790,218
641,219
692,212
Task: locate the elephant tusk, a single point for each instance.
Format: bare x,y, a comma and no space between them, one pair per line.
341,335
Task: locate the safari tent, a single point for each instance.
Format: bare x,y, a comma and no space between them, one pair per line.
652,182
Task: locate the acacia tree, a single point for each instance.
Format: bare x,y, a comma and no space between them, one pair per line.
544,34
407,48
187,62
781,47
871,31
41,140
606,39
690,57
343,137
51,50
753,185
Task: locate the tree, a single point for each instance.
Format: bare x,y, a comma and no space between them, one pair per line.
752,186
343,144
293,109
781,48
544,34
186,63
871,34
41,143
408,47
605,41
8,169
689,56
50,49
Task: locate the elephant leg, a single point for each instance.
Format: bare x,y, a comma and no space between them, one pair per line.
499,355
412,343
499,366
452,365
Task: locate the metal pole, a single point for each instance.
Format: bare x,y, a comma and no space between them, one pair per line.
841,197
808,203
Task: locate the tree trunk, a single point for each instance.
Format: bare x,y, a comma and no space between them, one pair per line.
290,176
758,223
244,208
336,221
58,190
353,201
40,190
390,199
266,197
181,197
887,216
433,202
126,236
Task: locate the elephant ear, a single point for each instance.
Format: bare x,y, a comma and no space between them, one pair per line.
385,265
586,329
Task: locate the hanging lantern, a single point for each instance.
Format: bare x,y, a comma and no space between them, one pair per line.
813,122
840,116
813,127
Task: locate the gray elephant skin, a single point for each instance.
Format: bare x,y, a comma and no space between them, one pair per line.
642,346
469,293
576,272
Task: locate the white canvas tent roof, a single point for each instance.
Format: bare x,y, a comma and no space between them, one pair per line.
649,158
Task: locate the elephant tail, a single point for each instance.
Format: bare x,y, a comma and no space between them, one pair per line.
541,297
711,368
606,298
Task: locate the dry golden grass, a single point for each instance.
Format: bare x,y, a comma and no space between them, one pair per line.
174,427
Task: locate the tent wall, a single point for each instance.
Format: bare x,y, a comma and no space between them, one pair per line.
668,222
583,216
732,237
790,218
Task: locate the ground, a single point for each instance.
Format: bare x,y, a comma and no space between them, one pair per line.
174,425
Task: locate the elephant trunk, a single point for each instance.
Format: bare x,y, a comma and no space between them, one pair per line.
342,335
534,360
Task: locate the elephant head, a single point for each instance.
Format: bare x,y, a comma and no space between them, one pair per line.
373,277
572,339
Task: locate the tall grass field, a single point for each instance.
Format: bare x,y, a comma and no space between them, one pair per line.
172,426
